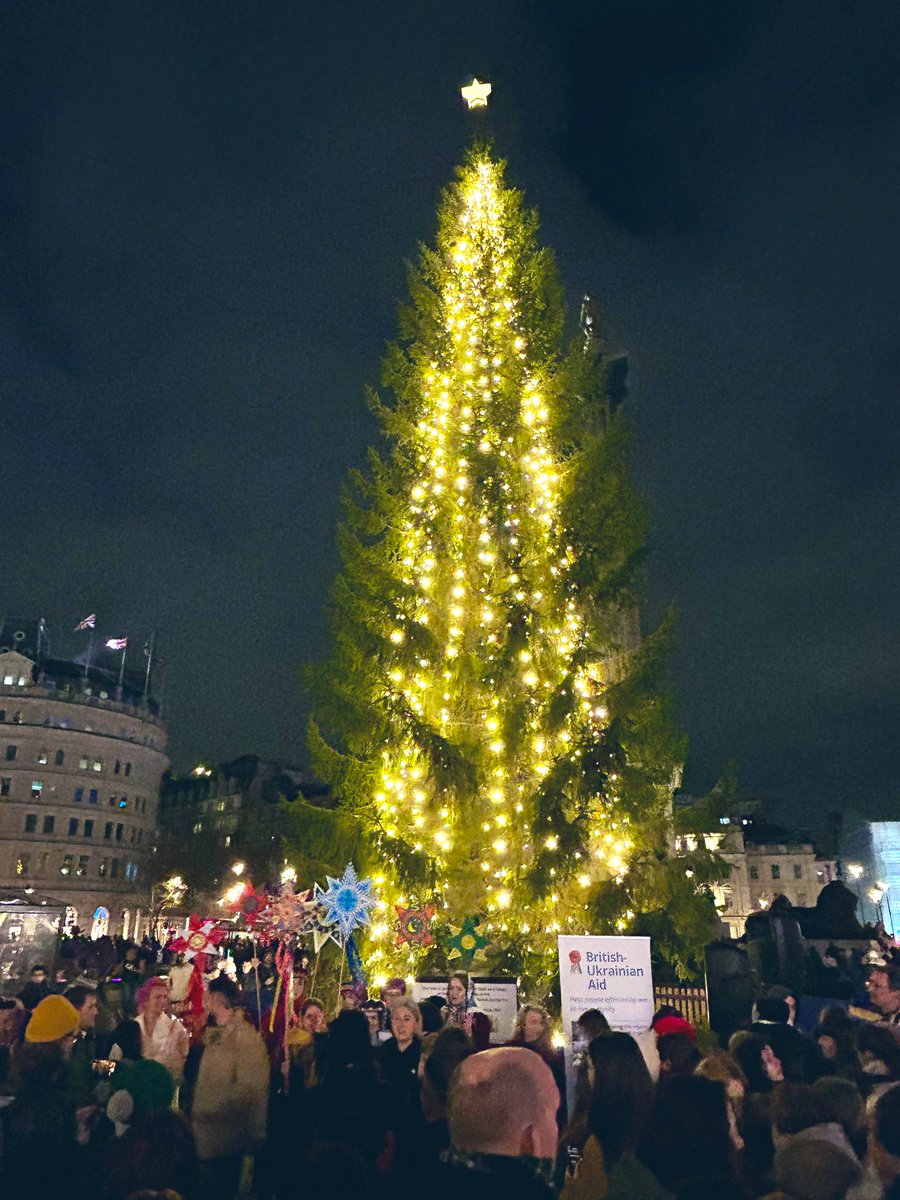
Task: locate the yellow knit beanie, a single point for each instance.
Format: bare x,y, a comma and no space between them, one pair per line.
53,1018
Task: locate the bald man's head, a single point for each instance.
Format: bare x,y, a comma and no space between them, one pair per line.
504,1101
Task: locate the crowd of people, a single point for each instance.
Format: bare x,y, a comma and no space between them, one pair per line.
390,1095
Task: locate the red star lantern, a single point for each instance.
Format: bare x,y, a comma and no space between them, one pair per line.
199,940
248,903
413,925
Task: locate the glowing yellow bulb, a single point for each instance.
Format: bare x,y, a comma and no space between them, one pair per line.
552,842
396,636
504,899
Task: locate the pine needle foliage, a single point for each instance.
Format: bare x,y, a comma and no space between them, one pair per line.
489,714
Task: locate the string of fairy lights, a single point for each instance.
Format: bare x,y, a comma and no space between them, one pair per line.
482,541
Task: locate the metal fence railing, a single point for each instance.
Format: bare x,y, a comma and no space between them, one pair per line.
690,1001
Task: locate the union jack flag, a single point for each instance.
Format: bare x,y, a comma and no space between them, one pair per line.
87,623
116,643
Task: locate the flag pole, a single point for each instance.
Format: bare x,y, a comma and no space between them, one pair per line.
149,653
122,667
87,665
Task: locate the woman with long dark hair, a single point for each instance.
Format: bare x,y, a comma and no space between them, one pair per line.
619,1105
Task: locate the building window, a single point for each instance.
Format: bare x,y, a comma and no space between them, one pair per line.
92,796
776,871
60,757
198,827
43,861
103,868
754,872
21,681
11,752
36,788
82,763
798,871
22,864
81,869
8,680
48,824
97,765
140,836
17,718
66,868
2,714
5,785
119,831
117,768
89,829
73,827
114,869
123,803
31,823
128,768
42,758
108,829
79,795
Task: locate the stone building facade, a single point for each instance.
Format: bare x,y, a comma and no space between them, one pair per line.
81,759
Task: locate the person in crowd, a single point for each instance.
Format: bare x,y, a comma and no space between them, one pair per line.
780,992
758,1061
441,1055
883,988
462,1012
231,1094
37,987
879,1058
840,1101
351,1102
685,1147
130,973
375,1014
592,1023
432,1021
399,1057
398,1060
815,1170
884,1142
393,990
619,1105
125,1042
834,1035
762,1069
502,1117
306,1045
12,1015
800,1059
81,1061
156,1157
163,1037
353,994
723,1067
180,974
43,1130
137,1089
533,1030
678,1056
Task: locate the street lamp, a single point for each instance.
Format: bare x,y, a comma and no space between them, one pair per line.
238,868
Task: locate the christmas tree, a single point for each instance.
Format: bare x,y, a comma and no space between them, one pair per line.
489,713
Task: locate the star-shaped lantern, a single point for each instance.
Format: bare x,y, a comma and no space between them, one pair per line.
287,913
413,925
476,94
466,940
199,940
244,901
348,901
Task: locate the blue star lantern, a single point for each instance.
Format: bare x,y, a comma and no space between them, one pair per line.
348,901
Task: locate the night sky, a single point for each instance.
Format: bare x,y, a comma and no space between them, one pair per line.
205,213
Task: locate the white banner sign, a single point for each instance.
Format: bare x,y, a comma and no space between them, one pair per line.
612,974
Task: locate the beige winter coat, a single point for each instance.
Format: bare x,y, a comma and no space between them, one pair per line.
232,1091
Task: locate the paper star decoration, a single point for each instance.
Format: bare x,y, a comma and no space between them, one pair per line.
476,94
466,940
412,925
348,901
287,912
248,903
199,940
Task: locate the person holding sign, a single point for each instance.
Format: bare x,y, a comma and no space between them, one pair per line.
461,1011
